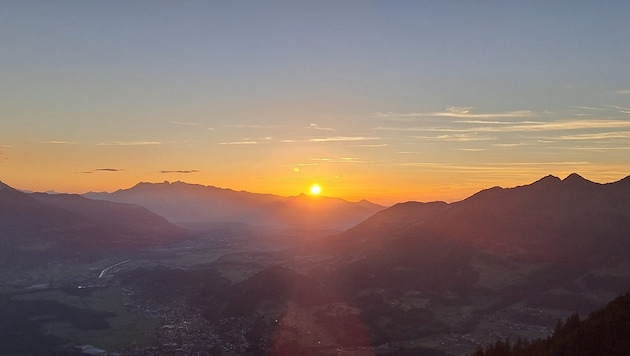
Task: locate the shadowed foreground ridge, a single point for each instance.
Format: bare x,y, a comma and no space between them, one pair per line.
604,332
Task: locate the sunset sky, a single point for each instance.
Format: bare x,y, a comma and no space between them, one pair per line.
383,100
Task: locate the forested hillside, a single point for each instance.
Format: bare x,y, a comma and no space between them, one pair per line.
605,332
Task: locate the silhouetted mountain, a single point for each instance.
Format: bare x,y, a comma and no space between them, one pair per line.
136,223
535,245
41,226
183,202
551,219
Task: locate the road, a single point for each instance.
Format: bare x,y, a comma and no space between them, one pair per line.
105,270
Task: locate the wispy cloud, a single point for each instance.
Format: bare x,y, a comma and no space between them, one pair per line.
4,146
456,112
129,143
102,170
597,136
374,145
185,123
623,92
243,142
521,126
255,126
590,108
461,137
55,142
314,126
494,167
342,139
244,126
339,160
508,145
620,109
597,149
473,149
609,108
180,171
301,165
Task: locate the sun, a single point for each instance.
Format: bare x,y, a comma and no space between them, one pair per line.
316,189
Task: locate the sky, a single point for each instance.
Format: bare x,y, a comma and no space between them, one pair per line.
381,100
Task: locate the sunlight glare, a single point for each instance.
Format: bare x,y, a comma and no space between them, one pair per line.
316,189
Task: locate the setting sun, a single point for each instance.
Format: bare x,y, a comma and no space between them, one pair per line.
316,189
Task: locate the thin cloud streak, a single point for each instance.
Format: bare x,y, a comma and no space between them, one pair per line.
464,137
375,145
456,112
185,123
55,142
342,139
129,143
340,160
239,143
180,171
595,149
515,167
255,126
597,136
108,170
525,126
620,109
314,126
114,170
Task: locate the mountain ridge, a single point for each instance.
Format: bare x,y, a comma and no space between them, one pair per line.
36,227
546,218
195,203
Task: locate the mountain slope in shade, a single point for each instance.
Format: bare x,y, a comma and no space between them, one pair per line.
128,219
567,225
36,227
183,202
604,332
551,219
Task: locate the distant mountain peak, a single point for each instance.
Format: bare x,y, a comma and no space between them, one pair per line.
549,178
575,179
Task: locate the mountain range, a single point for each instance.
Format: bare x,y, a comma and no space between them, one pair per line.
502,262
193,203
36,226
570,220
571,223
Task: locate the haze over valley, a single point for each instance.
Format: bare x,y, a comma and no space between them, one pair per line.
430,278
276,177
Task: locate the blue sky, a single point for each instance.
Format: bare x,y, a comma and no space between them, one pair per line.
388,100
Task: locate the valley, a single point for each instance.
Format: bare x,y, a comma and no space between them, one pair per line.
416,278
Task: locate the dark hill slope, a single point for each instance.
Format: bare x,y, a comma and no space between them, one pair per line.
605,332
35,228
133,221
549,220
514,244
